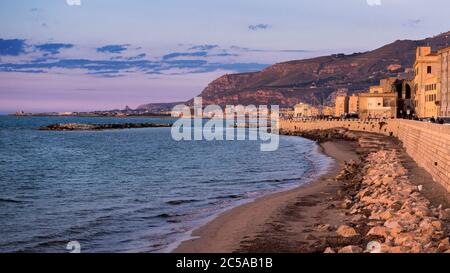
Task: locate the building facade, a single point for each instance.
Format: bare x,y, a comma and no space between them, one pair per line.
427,69
403,87
341,106
302,110
377,106
445,82
287,113
380,102
353,104
315,112
328,111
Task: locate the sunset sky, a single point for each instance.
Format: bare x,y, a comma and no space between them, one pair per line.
56,55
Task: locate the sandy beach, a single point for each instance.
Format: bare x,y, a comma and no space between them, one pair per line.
238,229
336,212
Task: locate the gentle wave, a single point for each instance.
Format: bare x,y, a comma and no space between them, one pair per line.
132,190
180,202
14,201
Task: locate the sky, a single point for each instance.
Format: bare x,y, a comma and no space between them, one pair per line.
82,55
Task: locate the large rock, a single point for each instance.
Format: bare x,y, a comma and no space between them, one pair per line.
416,247
444,245
378,231
404,238
392,224
437,225
329,250
350,249
398,249
384,200
396,206
408,219
346,231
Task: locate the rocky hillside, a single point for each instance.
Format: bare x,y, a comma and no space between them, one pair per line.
158,107
315,80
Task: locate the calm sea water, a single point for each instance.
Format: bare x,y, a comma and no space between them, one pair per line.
131,190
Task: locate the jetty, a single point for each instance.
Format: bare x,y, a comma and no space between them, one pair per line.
98,127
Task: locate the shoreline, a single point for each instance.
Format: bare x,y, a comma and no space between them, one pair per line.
374,199
229,229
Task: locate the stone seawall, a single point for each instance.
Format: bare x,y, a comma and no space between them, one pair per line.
428,144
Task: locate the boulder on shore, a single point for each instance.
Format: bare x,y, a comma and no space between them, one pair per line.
350,250
383,204
346,231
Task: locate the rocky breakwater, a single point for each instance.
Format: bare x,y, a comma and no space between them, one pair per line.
321,136
385,212
96,127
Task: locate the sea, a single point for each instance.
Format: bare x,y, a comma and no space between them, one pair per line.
134,190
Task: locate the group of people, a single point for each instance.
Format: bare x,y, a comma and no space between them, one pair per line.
432,119
438,120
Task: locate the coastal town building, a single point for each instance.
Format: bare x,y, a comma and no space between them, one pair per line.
427,84
65,113
376,89
379,103
445,82
287,113
353,104
302,110
328,111
341,106
315,112
378,106
403,87
385,86
391,98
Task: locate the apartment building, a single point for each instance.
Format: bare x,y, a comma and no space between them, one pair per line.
427,83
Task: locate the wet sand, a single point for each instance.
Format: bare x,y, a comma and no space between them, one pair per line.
278,222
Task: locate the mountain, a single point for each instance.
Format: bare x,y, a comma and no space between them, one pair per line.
158,107
316,80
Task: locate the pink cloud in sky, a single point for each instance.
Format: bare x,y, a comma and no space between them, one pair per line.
76,92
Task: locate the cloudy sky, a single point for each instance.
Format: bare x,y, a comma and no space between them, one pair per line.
75,55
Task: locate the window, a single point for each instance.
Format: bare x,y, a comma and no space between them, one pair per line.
429,69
